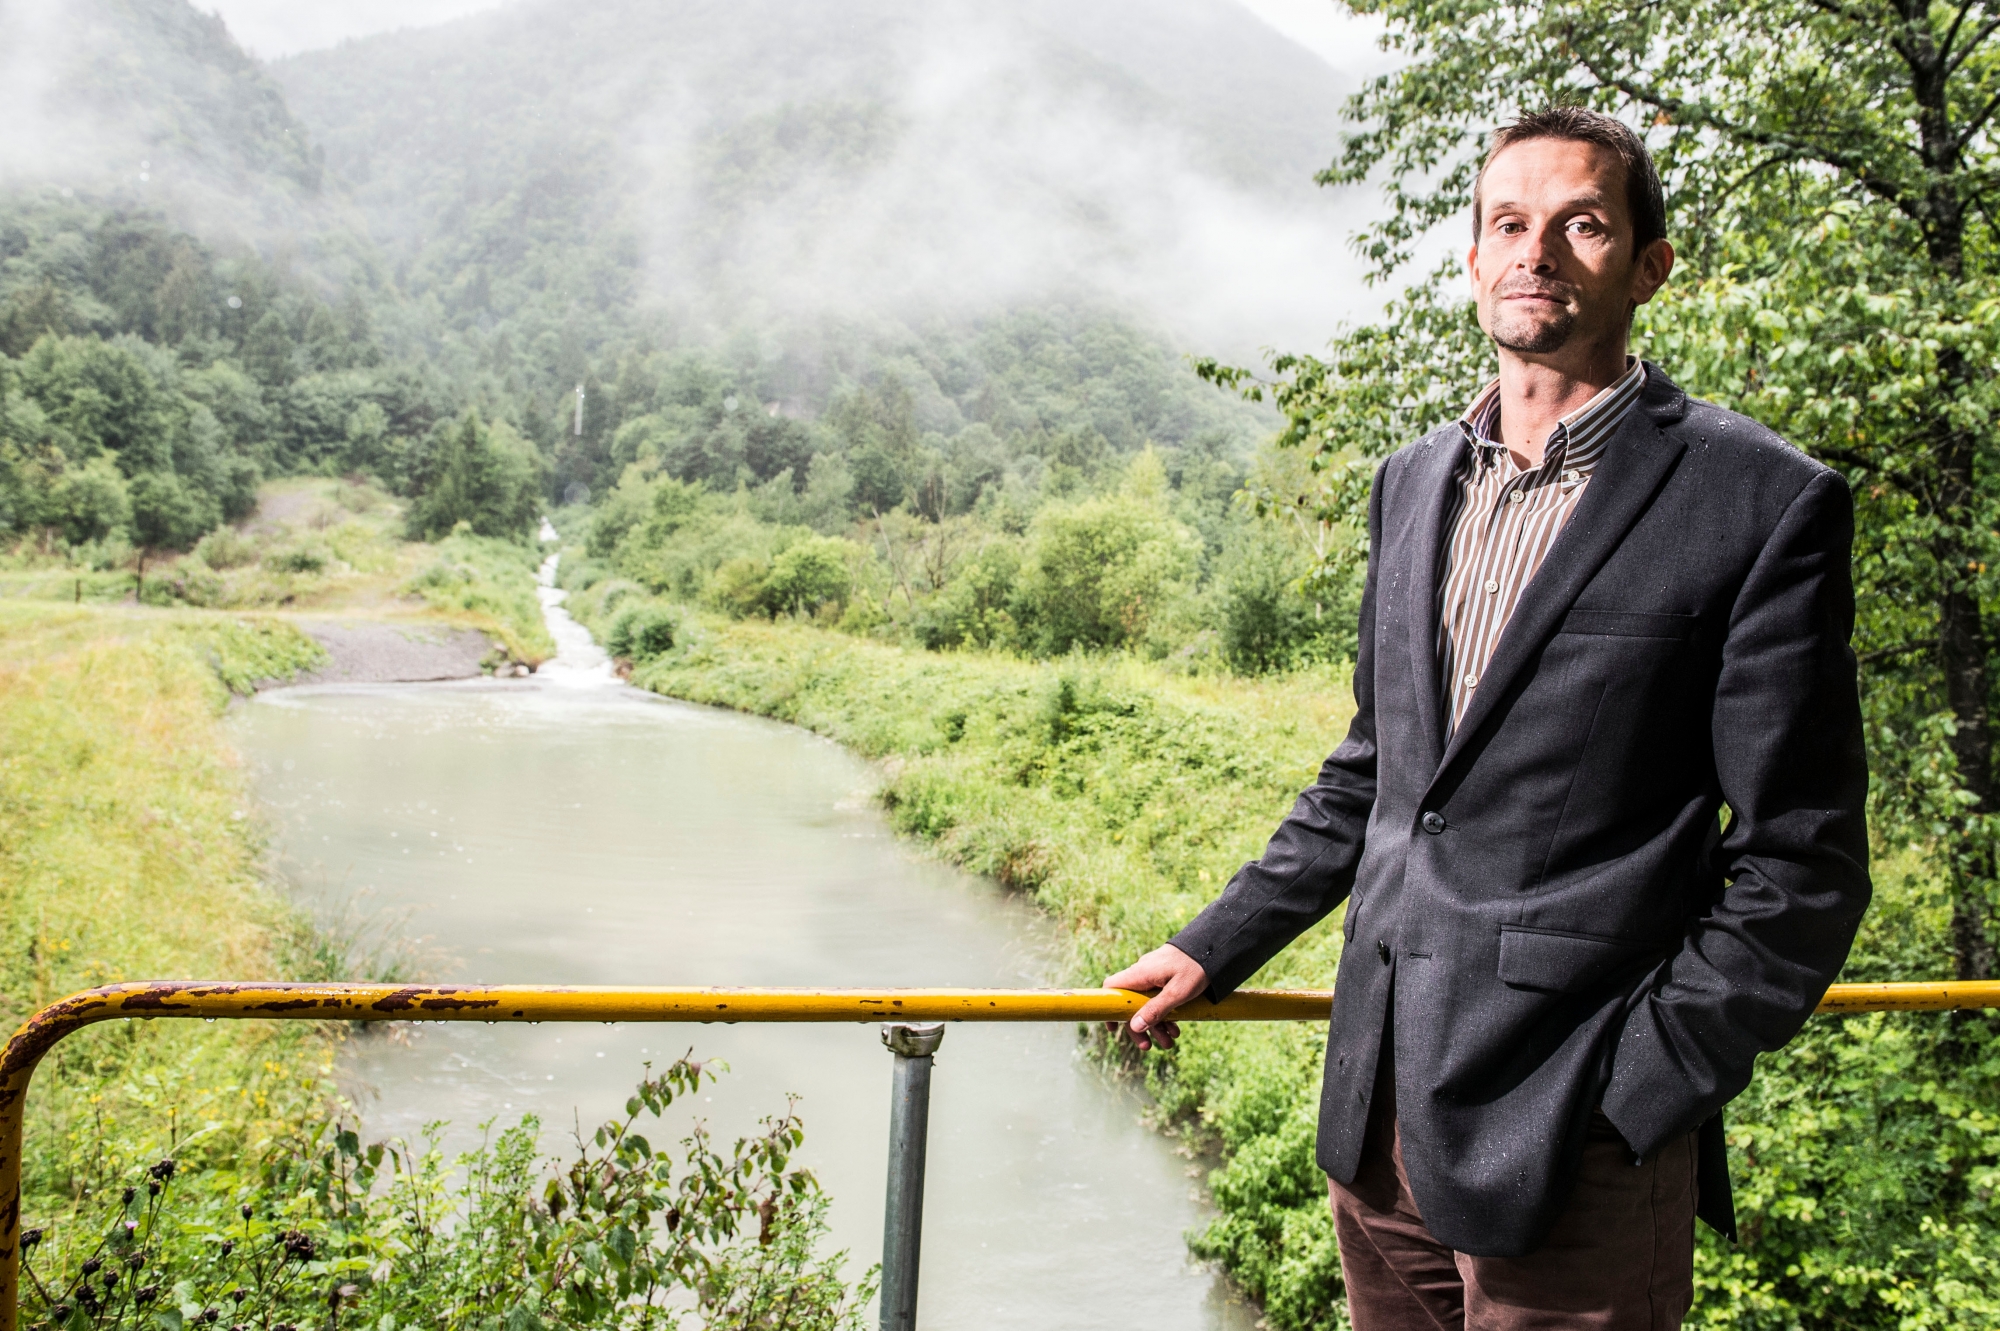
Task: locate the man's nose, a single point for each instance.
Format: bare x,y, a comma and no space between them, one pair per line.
1539,254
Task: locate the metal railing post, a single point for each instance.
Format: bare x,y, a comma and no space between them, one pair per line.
909,1136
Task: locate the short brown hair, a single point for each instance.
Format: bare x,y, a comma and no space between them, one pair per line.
1643,197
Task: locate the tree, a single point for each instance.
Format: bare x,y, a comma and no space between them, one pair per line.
810,574
1100,572
487,477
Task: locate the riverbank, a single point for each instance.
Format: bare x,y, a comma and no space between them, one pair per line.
129,849
1121,796
330,554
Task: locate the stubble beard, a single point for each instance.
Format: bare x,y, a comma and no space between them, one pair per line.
1534,336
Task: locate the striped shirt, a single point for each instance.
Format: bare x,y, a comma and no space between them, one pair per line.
1501,520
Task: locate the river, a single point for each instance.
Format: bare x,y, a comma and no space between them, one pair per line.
567,828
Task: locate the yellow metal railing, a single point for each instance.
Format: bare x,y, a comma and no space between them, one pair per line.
531,1003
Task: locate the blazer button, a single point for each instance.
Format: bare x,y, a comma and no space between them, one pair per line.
1382,951
1433,822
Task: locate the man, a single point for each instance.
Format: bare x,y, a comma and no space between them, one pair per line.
1598,614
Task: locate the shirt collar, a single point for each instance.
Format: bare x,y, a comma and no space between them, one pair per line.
1578,440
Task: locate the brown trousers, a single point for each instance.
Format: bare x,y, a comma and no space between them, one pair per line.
1621,1256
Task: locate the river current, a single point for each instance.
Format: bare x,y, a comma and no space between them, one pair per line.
567,828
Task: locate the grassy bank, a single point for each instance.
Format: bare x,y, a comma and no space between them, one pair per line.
128,850
177,1169
314,547
1122,796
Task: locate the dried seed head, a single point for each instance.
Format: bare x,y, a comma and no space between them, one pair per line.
125,1198
145,1294
228,1246
29,1238
164,1170
239,1294
136,1260
90,1266
247,1212
299,1244
111,1278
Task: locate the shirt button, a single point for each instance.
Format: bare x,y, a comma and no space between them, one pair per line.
1517,496
1472,681
1491,586
1433,822
1382,951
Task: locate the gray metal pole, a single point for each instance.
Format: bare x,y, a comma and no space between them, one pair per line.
909,1130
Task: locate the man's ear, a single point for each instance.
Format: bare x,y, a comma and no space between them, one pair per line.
1650,273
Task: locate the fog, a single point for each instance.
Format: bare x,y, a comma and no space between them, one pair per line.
786,161
755,163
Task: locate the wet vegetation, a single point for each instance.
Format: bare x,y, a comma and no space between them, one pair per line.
1092,613
318,1229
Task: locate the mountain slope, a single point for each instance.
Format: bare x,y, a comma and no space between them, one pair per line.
763,161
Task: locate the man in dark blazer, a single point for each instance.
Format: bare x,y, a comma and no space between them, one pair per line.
1599,616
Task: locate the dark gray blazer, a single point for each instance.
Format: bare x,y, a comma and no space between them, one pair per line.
1550,901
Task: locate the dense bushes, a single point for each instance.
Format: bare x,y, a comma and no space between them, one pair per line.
1139,564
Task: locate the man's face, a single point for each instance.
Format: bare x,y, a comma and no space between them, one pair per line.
1554,264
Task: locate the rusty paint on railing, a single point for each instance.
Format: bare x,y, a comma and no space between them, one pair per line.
531,1003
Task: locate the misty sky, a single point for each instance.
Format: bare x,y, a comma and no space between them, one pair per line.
281,27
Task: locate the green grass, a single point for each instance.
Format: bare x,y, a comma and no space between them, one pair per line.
129,850
487,584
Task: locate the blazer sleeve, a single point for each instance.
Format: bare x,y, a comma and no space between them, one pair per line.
1787,737
1308,867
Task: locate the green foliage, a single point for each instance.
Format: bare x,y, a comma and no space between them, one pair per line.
1100,573
810,574
169,514
486,478
641,632
622,1235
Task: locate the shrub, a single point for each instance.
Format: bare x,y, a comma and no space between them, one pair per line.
641,632
301,559
168,513
326,1230
1101,571
226,548
808,575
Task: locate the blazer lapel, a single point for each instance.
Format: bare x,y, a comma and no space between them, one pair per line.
1635,462
1432,480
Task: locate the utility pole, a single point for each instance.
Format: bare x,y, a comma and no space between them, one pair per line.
579,411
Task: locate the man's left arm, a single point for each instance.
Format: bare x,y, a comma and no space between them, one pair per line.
1788,753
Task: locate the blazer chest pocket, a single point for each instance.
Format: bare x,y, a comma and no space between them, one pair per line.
1629,624
1555,962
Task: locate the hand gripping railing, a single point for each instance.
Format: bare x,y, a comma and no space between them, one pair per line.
908,1014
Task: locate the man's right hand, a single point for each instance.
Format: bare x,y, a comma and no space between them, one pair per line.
1172,977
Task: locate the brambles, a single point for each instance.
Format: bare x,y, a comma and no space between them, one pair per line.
622,1235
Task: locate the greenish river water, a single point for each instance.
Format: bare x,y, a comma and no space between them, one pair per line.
570,829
